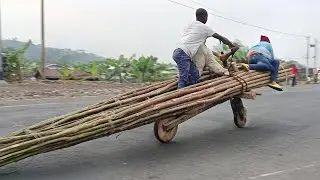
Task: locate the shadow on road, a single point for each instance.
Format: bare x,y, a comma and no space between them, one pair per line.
190,143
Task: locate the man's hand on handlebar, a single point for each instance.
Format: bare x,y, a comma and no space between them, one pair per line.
224,57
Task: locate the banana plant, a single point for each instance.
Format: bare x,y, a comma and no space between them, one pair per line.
117,68
147,69
66,72
16,63
93,69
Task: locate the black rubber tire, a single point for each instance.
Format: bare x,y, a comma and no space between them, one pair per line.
239,112
240,119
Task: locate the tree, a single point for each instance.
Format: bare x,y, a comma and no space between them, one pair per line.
93,69
148,69
66,72
16,62
241,54
143,68
117,68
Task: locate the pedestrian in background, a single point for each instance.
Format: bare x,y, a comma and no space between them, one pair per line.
295,75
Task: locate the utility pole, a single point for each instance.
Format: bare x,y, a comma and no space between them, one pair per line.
315,74
307,66
43,50
315,53
1,61
315,61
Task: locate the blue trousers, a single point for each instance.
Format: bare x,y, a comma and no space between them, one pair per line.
261,63
185,67
294,81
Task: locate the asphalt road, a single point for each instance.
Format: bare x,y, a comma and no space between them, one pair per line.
281,142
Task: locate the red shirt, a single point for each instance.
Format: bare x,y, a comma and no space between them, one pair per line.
295,71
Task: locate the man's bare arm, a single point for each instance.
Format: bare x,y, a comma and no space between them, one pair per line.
223,39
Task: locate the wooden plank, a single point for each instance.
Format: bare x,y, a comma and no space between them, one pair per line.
248,95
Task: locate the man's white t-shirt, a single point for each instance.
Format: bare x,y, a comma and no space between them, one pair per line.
193,36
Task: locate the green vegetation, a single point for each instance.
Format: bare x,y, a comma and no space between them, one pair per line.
241,54
122,69
148,69
132,69
17,66
24,61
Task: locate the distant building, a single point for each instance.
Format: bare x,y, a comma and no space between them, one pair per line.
54,66
302,72
53,72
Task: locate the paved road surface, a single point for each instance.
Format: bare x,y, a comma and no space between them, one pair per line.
282,142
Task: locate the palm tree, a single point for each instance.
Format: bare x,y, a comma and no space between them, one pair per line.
16,62
142,67
118,68
148,69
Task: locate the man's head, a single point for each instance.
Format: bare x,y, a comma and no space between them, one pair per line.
202,15
264,39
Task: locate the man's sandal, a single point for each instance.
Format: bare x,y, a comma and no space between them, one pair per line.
275,87
245,66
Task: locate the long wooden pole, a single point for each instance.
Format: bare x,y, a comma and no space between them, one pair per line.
157,104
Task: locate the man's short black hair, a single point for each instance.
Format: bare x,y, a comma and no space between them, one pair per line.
202,15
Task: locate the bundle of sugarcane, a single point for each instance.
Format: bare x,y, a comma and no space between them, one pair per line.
130,110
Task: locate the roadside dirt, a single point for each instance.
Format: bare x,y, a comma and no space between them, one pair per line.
53,89
33,90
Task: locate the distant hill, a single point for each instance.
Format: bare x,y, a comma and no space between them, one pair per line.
54,55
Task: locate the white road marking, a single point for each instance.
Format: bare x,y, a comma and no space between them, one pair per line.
281,172
268,174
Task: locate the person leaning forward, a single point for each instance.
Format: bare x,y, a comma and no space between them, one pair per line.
261,58
194,35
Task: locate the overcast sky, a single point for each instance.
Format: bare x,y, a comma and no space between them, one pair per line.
113,27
